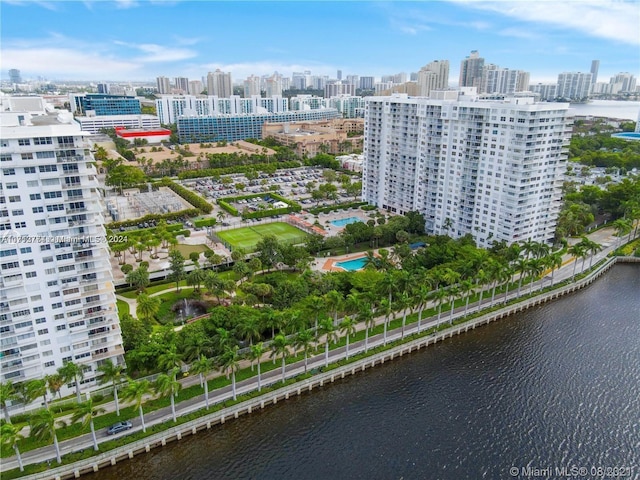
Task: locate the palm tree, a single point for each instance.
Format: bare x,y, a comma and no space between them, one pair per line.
522,266
43,427
55,382
440,298
7,394
86,412
554,262
315,306
147,306
72,372
135,392
11,435
334,300
167,385
422,296
228,363
536,267
591,248
329,329
280,346
196,346
255,354
348,327
202,366
304,341
576,251
453,293
112,372
170,361
249,328
365,315
38,388
403,303
466,289
386,307
622,226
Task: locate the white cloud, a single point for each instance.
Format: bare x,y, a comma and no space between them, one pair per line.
243,70
158,53
24,3
611,19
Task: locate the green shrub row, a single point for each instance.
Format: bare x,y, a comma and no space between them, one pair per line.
154,217
191,197
269,213
228,208
340,206
213,172
205,222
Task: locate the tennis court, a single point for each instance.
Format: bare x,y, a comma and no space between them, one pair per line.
247,237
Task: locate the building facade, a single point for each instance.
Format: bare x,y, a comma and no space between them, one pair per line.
219,84
491,169
215,128
102,104
471,70
96,124
573,85
433,76
57,299
163,85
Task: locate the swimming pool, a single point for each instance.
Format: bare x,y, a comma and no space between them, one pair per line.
345,221
353,265
627,135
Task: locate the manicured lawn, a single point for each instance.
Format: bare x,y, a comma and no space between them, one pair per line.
185,250
123,307
247,237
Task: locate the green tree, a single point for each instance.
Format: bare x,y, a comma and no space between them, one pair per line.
348,327
366,316
166,385
55,382
112,373
229,364
72,372
176,267
328,328
255,354
85,412
135,393
10,435
203,366
43,427
138,278
280,347
38,388
147,307
304,341
7,394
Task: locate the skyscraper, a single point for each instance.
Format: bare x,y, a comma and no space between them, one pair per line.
57,300
595,65
471,70
164,87
251,86
14,76
181,84
503,80
366,83
339,75
433,76
219,84
573,85
491,169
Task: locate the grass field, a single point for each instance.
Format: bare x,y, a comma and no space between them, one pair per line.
185,250
247,237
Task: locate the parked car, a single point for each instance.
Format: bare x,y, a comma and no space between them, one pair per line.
119,427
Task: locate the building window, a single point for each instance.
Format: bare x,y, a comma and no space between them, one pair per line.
43,141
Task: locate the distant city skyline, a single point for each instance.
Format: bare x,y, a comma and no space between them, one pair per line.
138,41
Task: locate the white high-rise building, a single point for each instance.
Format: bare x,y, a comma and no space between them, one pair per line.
251,86
57,299
181,85
502,80
219,84
195,87
433,76
573,85
491,169
273,85
623,82
164,86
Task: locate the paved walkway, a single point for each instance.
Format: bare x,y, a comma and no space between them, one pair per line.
605,237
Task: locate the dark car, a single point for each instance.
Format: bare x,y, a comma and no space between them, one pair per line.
119,427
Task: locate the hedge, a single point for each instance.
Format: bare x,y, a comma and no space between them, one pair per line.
269,213
340,206
212,172
228,208
204,222
154,217
191,197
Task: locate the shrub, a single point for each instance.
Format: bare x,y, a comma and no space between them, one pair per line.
126,268
204,222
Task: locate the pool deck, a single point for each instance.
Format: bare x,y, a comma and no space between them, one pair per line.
330,263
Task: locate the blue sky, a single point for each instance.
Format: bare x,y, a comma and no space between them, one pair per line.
140,40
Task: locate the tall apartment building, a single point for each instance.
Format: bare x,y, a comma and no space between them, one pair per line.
623,82
547,91
366,83
339,88
573,85
433,76
195,87
491,169
273,85
471,70
595,66
503,81
14,76
349,106
163,84
219,84
251,86
57,299
181,85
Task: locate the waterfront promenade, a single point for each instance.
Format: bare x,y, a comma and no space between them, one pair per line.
274,376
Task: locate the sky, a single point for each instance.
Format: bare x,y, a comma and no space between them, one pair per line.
137,40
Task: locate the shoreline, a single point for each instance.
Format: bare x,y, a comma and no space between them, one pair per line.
393,350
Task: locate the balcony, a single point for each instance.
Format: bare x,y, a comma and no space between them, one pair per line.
72,159
67,186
